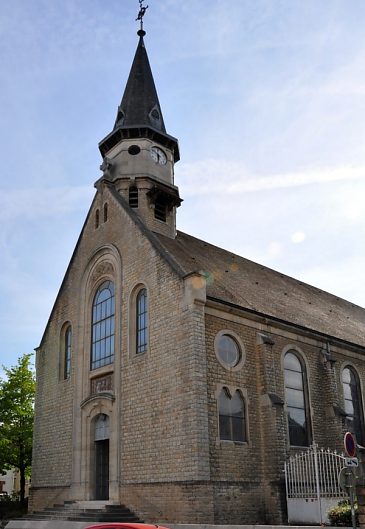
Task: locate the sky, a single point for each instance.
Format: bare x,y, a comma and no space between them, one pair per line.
266,97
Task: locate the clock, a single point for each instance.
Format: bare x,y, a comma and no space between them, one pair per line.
158,155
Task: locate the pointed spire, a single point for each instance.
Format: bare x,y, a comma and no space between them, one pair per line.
140,106
139,113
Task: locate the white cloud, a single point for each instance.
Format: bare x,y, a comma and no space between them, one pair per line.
275,249
351,206
298,237
214,176
338,276
34,203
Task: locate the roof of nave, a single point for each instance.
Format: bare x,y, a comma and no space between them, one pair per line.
238,281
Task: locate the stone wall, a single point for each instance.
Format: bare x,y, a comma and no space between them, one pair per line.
248,477
167,461
157,400
165,503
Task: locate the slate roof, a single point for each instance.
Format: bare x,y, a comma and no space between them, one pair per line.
238,281
139,113
140,105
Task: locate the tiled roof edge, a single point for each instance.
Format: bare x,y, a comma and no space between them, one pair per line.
287,323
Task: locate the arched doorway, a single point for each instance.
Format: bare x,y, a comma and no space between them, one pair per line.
101,442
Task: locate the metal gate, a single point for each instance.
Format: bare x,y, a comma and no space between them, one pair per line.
312,488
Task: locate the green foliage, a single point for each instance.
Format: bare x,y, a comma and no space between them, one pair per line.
340,515
16,418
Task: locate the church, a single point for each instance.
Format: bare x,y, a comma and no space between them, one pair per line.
173,376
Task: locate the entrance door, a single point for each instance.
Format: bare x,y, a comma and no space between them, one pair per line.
102,470
101,445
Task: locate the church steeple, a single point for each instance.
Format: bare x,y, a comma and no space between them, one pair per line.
140,105
138,155
139,113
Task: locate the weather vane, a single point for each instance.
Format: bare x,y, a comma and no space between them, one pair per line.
142,12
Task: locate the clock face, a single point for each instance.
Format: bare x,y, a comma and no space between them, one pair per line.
158,155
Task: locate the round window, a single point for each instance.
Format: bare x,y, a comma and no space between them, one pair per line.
134,149
228,350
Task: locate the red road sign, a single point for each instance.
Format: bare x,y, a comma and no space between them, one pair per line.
349,444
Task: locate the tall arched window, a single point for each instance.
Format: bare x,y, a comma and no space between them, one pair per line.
103,328
67,353
141,321
352,401
296,400
232,420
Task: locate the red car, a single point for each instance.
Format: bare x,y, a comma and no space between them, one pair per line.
115,525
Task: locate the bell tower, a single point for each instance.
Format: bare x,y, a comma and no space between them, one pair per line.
138,155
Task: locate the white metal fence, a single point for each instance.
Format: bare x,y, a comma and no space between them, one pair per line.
311,479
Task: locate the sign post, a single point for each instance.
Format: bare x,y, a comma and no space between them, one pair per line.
347,477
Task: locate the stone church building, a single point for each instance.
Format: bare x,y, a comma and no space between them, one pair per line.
173,376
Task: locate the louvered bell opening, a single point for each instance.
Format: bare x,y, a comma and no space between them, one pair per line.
160,210
133,197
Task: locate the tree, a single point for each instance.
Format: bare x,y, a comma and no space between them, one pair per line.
16,419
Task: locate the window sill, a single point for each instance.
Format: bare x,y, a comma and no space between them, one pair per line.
297,448
100,371
138,357
229,443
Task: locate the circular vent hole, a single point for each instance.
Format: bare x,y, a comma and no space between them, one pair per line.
134,149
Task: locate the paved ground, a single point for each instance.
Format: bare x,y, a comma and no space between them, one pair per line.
54,524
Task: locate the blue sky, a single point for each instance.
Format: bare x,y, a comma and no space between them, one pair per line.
266,97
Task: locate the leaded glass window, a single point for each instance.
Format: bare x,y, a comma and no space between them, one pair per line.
232,421
228,351
103,326
352,401
67,353
296,400
141,321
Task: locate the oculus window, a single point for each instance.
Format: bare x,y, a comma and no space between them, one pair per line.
296,400
103,326
229,350
352,402
134,150
141,321
232,419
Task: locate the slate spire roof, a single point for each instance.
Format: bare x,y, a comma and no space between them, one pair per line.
139,113
140,105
